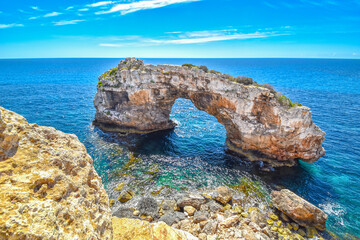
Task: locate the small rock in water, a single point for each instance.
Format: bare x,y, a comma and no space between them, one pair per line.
298,209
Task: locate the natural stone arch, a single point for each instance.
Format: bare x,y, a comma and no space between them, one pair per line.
260,123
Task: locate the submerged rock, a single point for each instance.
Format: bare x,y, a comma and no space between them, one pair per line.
298,209
260,123
49,187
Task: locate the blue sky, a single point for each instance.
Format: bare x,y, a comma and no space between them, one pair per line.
180,28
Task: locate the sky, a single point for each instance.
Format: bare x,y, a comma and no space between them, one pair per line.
180,28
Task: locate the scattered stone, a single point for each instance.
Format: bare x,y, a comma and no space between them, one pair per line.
148,206
274,217
214,207
111,202
230,222
210,227
201,216
126,196
222,195
227,207
189,210
252,209
270,222
136,213
172,218
119,187
298,209
244,214
256,217
194,200
168,206
202,236
123,212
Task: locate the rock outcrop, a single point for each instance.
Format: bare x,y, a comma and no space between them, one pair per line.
135,229
49,188
261,123
298,209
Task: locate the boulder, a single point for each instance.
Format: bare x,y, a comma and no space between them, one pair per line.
148,206
50,189
200,216
173,217
124,228
261,124
222,195
194,200
298,209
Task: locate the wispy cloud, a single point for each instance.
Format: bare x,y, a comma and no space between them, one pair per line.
52,14
83,9
36,8
125,8
67,22
11,25
99,4
32,18
69,8
196,37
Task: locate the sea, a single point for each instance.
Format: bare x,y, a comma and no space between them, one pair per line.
60,92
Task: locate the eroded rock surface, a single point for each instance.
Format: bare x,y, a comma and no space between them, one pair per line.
49,188
298,209
135,229
260,123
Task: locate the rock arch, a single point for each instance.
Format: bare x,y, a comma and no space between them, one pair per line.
260,123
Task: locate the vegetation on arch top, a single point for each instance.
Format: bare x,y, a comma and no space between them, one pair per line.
132,64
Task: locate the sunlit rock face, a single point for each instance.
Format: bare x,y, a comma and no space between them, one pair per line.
49,188
138,97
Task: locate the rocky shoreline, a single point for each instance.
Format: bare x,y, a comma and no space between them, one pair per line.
50,190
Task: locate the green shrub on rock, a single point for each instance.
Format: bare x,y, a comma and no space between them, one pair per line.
113,71
244,80
188,65
204,68
214,72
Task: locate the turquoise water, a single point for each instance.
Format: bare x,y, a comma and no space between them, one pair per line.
59,93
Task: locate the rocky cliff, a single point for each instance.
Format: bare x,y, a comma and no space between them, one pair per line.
49,188
261,123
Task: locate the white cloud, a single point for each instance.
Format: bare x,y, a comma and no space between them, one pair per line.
52,14
10,25
36,8
69,8
99,4
84,10
32,18
125,8
67,22
109,45
196,37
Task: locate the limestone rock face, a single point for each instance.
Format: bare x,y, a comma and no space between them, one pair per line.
125,228
49,188
298,209
138,97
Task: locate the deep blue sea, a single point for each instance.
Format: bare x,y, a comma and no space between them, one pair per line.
60,93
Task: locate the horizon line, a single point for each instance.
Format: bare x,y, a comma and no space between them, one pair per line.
25,58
